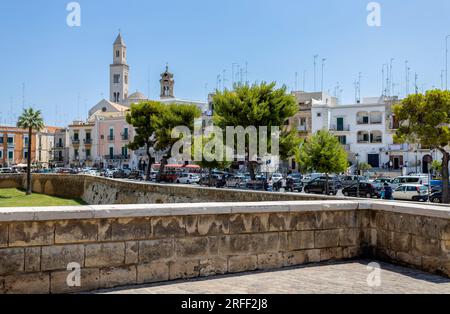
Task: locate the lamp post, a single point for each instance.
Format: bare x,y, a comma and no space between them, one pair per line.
357,174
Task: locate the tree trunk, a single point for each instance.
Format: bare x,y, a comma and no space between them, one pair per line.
30,133
161,168
149,164
251,169
445,177
326,185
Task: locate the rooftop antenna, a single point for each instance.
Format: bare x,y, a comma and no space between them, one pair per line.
233,65
355,84
246,73
359,86
391,76
442,79
407,68
304,80
415,83
296,81
323,66
315,63
383,89
224,79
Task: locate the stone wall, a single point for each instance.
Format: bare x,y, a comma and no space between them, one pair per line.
99,190
134,244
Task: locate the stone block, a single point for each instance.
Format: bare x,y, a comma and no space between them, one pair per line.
242,263
444,231
184,269
409,259
248,223
105,229
156,250
63,281
400,242
117,276
301,257
300,240
12,260
105,254
126,229
326,238
59,256
131,252
270,261
31,233
236,244
349,237
196,247
351,252
280,222
33,283
3,235
333,254
425,246
430,264
339,219
213,266
76,231
32,259
165,227
152,272
306,221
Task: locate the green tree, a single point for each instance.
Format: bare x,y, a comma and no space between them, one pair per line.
144,117
437,167
427,118
174,115
258,105
31,120
323,153
363,167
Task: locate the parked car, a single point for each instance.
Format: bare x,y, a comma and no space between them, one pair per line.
276,177
421,180
136,175
294,183
212,180
366,189
318,186
310,177
411,192
7,170
381,181
188,178
436,197
260,183
348,181
235,181
121,174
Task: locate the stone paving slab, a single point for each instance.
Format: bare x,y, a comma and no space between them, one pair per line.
346,277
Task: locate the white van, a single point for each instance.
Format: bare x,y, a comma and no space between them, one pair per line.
419,179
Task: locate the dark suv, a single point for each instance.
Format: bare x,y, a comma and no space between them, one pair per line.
365,190
318,186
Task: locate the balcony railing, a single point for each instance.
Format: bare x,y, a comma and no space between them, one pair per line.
125,137
59,145
75,141
340,128
302,128
87,141
110,137
116,157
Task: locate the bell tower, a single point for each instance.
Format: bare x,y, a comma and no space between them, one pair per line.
167,83
119,70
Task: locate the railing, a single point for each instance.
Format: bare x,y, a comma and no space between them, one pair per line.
87,141
110,137
59,145
125,137
302,128
339,128
76,141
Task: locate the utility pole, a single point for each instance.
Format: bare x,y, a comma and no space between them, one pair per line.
315,64
323,66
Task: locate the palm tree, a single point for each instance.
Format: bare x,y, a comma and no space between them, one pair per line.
31,120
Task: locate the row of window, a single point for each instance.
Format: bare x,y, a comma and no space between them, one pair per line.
374,137
10,139
10,155
111,152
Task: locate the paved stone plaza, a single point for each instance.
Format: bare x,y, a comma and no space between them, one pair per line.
345,277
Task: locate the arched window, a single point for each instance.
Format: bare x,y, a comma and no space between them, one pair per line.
362,117
376,137
117,53
376,117
363,137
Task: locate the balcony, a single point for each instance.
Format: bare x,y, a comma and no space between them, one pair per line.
116,157
110,138
87,141
125,137
59,145
75,141
340,128
302,128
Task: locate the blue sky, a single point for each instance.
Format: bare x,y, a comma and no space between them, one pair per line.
201,38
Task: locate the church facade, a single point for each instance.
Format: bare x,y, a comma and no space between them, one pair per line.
101,141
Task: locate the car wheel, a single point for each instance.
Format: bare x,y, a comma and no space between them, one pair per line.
188,182
346,194
307,190
436,200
